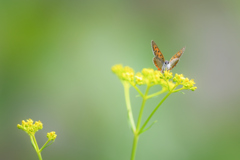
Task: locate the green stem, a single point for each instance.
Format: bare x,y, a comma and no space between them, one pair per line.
142,108
33,143
167,83
135,141
157,93
44,145
177,90
128,104
150,116
137,90
37,148
136,133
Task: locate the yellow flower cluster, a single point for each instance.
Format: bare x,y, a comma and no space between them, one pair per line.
51,136
148,76
124,73
185,82
152,77
29,127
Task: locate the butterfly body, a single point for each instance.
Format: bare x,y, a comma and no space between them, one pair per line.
166,66
160,62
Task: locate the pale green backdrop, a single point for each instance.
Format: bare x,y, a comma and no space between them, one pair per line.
55,66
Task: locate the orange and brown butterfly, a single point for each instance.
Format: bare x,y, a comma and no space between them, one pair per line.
160,62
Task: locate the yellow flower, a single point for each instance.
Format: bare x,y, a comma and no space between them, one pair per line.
128,76
178,78
139,79
117,68
148,75
188,83
147,72
193,88
124,73
152,77
167,74
29,127
171,85
51,136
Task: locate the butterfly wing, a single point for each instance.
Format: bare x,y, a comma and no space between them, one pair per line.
158,63
175,59
158,60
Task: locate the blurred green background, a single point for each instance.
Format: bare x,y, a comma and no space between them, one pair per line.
55,66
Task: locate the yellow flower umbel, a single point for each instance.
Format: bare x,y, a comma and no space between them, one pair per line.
124,73
31,128
152,77
51,136
148,77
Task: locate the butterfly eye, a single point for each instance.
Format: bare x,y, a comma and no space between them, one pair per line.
166,62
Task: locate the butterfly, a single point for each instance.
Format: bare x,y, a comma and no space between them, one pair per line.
160,62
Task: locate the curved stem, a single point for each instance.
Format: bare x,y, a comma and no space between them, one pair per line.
128,104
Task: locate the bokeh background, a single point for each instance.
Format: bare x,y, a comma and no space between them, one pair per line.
55,66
